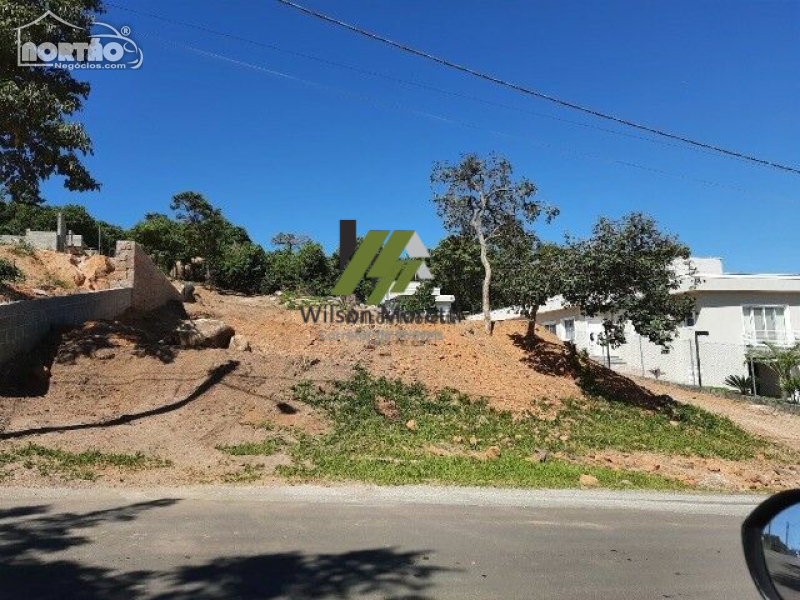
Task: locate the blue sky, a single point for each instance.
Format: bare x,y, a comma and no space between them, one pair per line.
280,155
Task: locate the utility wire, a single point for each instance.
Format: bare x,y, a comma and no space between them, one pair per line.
389,77
532,92
436,117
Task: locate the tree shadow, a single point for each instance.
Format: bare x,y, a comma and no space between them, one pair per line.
594,379
36,562
28,374
215,375
544,356
145,331
378,572
32,539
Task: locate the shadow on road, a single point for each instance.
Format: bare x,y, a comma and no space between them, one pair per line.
33,565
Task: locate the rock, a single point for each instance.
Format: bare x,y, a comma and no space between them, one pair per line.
387,407
588,481
187,293
412,425
104,354
239,343
203,333
540,456
492,452
473,441
674,423
457,439
626,482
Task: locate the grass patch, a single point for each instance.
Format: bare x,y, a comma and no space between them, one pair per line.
454,439
599,424
71,465
264,448
247,474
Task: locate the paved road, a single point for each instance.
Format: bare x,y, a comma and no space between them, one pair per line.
360,542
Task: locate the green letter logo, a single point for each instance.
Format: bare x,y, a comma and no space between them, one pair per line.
387,267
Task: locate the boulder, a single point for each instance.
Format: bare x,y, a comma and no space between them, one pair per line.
187,292
239,343
203,333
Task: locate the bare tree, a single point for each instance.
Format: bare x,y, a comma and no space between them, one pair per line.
477,197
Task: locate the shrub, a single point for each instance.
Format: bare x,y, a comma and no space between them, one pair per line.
741,383
9,271
240,268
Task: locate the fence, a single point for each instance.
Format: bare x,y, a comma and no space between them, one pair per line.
688,362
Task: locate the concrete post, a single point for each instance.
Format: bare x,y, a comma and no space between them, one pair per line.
61,233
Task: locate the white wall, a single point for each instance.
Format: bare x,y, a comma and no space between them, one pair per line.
722,352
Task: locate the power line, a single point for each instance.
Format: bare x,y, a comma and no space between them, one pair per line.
532,92
433,116
388,77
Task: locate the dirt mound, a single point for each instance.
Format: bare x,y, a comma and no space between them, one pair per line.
113,386
48,273
514,369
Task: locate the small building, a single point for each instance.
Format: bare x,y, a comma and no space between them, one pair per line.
60,240
444,302
734,314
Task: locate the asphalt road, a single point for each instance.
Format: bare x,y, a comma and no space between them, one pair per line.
408,543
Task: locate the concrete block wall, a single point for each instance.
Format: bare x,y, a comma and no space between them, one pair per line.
136,283
24,324
135,269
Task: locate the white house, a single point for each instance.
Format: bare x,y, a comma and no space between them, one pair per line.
733,314
444,302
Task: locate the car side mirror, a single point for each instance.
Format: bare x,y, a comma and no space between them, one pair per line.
771,540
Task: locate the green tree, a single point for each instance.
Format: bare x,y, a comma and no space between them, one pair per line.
241,268
313,269
38,138
162,238
204,227
455,264
529,273
15,218
421,301
626,272
477,197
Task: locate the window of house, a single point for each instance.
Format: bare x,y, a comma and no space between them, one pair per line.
551,327
569,330
765,323
691,320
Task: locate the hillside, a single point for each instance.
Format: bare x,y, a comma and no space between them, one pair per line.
154,413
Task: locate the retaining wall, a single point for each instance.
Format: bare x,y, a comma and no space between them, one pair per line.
24,324
138,284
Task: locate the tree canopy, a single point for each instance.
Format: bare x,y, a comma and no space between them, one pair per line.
626,272
38,136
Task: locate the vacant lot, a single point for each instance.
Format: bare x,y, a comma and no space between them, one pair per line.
121,407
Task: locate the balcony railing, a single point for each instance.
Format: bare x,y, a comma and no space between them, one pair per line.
777,337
